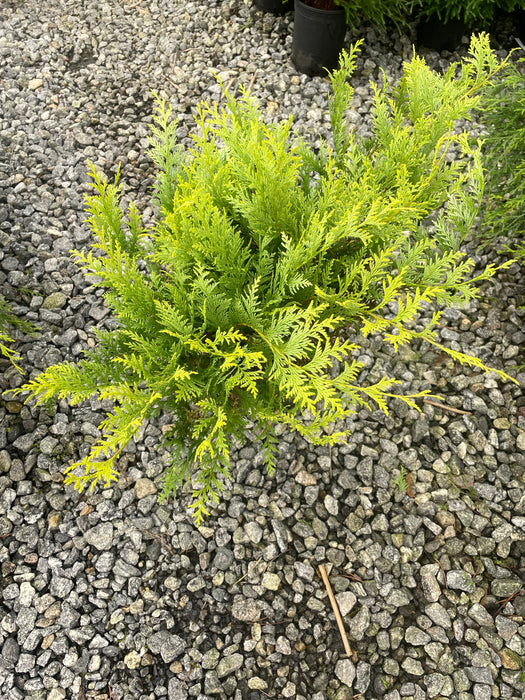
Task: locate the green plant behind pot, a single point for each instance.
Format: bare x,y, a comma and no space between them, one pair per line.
503,115
236,305
377,12
473,13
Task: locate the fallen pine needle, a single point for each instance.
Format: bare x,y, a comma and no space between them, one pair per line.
446,408
337,614
250,570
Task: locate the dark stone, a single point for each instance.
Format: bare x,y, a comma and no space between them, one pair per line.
10,652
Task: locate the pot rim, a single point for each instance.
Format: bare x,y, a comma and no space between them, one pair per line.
317,10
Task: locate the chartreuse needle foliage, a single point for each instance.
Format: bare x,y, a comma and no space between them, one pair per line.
234,306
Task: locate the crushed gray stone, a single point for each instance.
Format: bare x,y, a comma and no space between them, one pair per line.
109,589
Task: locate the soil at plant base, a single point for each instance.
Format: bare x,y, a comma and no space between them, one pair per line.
322,4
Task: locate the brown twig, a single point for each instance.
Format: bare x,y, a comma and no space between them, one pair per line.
446,408
170,81
155,537
352,577
251,81
504,601
249,571
183,681
335,608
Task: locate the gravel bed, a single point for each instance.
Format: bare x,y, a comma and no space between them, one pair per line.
111,595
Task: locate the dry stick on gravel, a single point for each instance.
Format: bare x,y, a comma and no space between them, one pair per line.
446,408
250,570
251,81
155,537
337,614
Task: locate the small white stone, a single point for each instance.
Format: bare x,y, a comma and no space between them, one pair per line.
271,581
27,593
144,487
345,671
283,646
254,531
331,504
305,478
345,601
56,694
132,660
289,690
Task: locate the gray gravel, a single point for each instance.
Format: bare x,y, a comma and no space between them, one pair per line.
109,595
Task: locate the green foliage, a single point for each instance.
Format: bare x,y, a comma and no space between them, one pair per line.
377,12
503,115
472,12
234,307
8,319
401,481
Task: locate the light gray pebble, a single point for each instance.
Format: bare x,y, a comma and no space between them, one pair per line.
345,601
210,659
359,623
439,615
60,586
25,442
229,664
434,683
25,663
304,570
398,598
412,666
124,569
168,645
100,536
363,674
245,609
480,615
461,681
430,586
416,637
345,671
212,684
482,692
479,674
504,587
254,531
223,558
48,444
458,579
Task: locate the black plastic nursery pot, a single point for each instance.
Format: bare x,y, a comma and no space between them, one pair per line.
318,37
441,36
276,7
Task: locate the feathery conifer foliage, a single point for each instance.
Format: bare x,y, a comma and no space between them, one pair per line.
233,307
7,320
503,115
